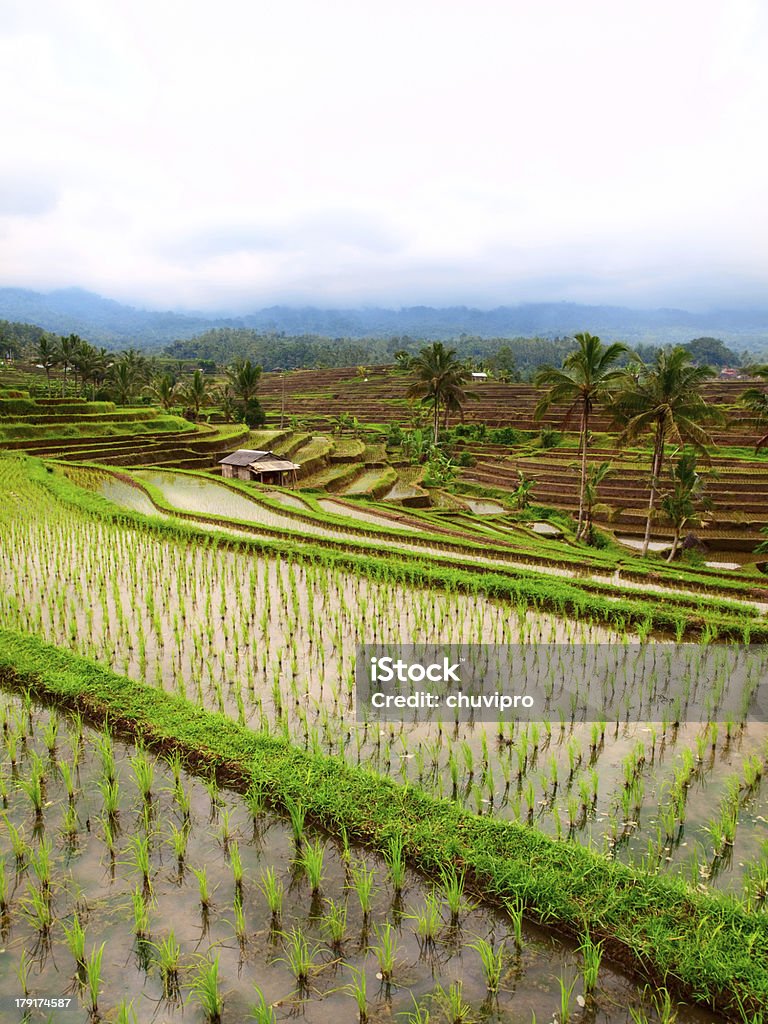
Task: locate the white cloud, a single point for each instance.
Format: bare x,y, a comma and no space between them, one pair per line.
426,150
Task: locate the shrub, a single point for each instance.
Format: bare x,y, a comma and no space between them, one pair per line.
549,438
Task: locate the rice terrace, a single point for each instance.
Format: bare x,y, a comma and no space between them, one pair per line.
203,818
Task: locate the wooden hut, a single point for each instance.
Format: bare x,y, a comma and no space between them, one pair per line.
266,467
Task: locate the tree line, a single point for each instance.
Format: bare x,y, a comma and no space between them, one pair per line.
127,376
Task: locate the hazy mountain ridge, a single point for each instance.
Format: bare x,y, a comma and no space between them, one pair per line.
105,321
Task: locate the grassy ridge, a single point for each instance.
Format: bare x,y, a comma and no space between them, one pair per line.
704,947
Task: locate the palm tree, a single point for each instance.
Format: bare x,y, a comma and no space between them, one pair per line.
165,390
229,405
586,379
665,398
196,393
440,378
90,362
679,504
595,476
68,350
244,379
47,356
124,381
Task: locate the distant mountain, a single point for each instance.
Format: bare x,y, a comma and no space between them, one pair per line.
107,322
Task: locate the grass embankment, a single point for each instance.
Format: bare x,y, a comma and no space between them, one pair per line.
704,947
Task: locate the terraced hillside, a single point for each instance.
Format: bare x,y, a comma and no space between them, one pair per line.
318,396
736,484
75,429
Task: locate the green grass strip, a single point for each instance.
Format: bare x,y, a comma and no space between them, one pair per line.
705,947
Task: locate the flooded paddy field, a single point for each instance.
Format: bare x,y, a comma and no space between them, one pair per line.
272,643
140,892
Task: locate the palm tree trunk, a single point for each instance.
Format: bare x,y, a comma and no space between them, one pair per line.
675,544
658,455
437,416
583,484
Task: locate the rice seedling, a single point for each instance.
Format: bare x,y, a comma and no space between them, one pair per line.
566,997
40,863
110,792
204,987
296,814
299,956
428,920
68,776
236,864
125,1013
167,958
386,950
592,952
93,978
261,1011
456,1011
393,855
334,923
311,862
38,912
357,989
75,939
178,839
419,1015
240,929
143,774
515,910
203,889
140,914
33,785
362,883
225,830
141,860
22,971
492,961
453,893
273,891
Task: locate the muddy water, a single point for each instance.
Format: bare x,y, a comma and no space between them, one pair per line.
336,508
98,885
126,496
482,507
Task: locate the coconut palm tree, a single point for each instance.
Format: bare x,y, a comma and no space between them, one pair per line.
124,381
665,398
47,356
595,476
586,379
68,349
679,504
244,379
165,390
90,363
440,380
196,393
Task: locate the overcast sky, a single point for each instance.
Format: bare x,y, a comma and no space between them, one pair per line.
182,153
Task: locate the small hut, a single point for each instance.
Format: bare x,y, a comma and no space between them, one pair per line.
266,467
